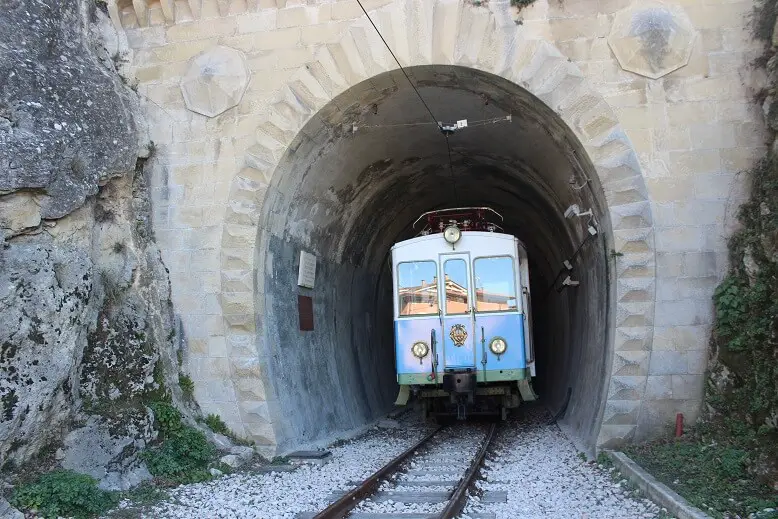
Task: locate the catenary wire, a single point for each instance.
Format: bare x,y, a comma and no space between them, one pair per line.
398,63
450,165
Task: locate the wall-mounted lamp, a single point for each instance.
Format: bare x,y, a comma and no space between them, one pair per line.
574,210
570,283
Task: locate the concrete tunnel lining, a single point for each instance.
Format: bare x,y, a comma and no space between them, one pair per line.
348,196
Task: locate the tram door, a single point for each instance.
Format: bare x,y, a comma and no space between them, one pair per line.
457,317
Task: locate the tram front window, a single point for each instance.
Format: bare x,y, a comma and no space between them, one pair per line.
495,284
456,287
418,288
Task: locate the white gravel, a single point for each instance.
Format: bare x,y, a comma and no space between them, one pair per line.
545,477
281,495
532,460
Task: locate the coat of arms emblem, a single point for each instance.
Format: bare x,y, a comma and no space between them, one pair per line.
458,334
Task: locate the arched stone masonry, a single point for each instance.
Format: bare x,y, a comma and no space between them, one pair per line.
443,32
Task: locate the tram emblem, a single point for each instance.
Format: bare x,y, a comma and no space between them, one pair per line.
458,334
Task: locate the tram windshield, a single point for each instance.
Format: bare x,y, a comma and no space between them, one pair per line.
418,288
456,286
495,284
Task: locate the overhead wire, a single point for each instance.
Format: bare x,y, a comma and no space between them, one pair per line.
470,124
398,63
435,120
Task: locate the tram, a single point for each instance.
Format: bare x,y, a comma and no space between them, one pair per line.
462,315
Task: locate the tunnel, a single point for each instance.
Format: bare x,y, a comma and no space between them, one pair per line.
374,161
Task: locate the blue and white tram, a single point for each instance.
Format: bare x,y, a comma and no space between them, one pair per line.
463,340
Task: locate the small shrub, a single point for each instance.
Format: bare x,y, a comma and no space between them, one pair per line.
168,418
604,460
187,385
181,459
217,425
64,493
184,454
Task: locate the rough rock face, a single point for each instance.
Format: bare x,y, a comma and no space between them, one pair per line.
66,119
85,311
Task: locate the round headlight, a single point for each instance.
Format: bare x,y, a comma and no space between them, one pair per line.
420,349
498,346
452,234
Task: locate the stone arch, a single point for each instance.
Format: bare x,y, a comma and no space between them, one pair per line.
442,33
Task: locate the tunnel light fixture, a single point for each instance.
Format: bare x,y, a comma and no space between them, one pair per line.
568,282
575,186
452,234
574,210
498,346
420,349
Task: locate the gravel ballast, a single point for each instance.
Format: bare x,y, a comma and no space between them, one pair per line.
280,495
531,460
546,477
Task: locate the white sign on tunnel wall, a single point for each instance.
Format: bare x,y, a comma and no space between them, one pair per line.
306,275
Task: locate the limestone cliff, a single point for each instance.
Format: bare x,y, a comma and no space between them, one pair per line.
85,312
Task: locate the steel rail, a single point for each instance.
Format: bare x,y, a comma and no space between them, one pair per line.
345,504
457,501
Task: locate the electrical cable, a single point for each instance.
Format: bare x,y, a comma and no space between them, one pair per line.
438,123
398,63
470,124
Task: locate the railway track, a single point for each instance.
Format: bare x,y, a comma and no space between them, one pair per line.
430,480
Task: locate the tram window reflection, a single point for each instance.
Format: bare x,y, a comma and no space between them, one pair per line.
495,284
456,287
418,288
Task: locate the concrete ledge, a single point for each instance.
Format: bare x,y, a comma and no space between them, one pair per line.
654,490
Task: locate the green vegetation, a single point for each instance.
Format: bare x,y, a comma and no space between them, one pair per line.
184,454
522,3
712,477
747,306
63,493
187,385
217,425
604,460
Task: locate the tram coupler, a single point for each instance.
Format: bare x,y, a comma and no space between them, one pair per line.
461,407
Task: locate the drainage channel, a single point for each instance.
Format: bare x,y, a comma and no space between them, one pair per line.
430,480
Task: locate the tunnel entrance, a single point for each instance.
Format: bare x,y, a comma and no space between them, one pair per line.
375,161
